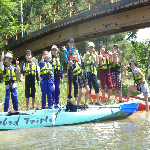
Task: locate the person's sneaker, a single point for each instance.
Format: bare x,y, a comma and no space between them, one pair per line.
91,103
57,106
105,102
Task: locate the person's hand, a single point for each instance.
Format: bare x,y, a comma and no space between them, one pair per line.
61,81
143,81
100,55
96,53
126,66
2,56
88,53
70,62
42,60
38,83
53,86
64,48
17,62
110,53
120,52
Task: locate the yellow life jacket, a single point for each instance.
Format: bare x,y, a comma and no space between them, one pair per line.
56,63
116,63
9,73
47,69
106,63
137,79
90,65
30,68
77,70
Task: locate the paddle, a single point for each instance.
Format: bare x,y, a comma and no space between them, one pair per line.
54,116
127,108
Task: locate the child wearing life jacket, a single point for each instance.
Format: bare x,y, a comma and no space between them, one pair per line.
47,79
71,47
104,71
58,73
115,72
90,63
9,77
139,79
29,70
78,77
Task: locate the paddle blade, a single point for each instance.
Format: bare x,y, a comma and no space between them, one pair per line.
129,108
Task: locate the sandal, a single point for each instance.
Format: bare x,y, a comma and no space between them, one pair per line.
91,103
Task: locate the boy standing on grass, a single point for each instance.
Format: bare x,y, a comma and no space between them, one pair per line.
139,79
58,73
47,79
115,72
90,63
104,71
29,70
9,77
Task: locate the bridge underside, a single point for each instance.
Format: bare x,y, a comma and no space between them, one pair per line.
118,17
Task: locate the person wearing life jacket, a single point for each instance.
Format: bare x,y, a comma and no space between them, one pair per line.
71,47
29,70
139,79
58,73
9,77
47,79
115,71
90,69
104,71
78,78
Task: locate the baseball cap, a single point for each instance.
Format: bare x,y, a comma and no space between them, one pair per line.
115,45
9,55
91,44
54,47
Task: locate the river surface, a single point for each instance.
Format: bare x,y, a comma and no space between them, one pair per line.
127,134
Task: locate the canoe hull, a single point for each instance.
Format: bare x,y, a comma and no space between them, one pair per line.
47,117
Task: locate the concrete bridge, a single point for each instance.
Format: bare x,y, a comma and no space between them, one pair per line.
95,21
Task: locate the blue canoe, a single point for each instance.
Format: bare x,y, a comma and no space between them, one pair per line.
57,117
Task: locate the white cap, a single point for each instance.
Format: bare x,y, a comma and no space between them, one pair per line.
9,55
91,44
54,47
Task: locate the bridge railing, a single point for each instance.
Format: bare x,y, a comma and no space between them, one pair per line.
51,15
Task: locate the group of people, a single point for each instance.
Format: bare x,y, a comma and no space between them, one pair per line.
81,72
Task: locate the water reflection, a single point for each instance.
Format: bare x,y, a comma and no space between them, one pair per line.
130,133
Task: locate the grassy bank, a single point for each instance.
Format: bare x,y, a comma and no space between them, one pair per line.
63,94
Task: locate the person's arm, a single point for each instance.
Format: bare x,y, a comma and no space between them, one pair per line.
114,58
86,57
120,59
37,73
126,75
100,59
1,62
97,62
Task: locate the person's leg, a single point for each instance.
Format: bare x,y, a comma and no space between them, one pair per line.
75,83
113,78
44,87
88,78
109,84
119,86
14,98
146,102
49,94
80,94
133,88
7,98
27,103
120,95
87,94
57,91
33,102
70,80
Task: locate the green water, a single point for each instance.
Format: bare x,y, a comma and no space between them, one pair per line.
131,133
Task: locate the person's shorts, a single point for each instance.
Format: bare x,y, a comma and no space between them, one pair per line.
116,80
82,81
144,88
105,78
30,86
